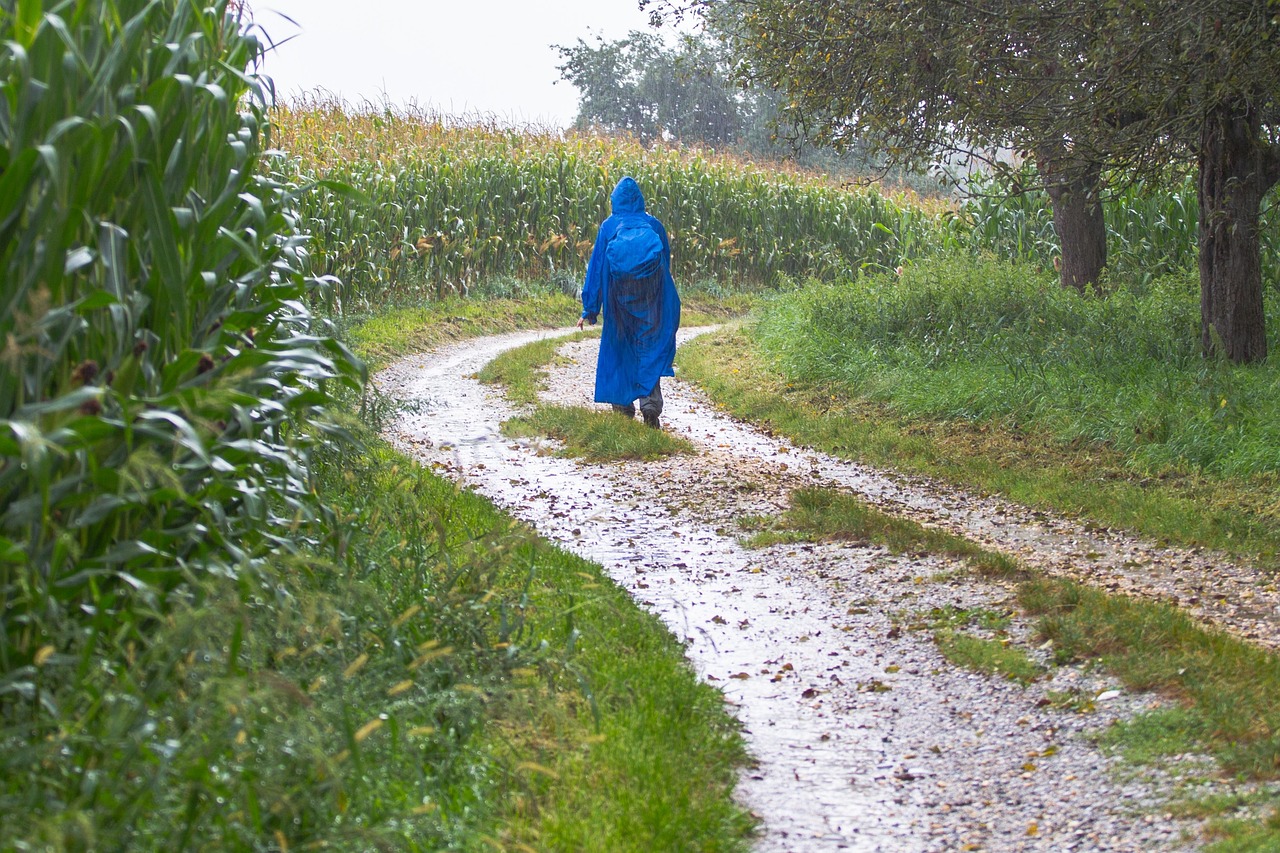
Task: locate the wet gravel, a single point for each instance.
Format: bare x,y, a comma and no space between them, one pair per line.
865,738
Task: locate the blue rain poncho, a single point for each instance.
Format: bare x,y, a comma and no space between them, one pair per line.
629,276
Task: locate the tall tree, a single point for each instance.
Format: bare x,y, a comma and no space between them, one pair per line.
689,93
924,79
1082,85
1200,80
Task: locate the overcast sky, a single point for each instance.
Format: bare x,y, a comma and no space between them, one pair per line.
462,57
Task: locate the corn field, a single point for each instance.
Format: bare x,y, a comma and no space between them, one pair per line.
444,205
161,388
439,205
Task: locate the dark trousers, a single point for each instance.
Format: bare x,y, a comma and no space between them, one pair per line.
650,404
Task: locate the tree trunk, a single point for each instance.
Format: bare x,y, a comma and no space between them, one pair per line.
1236,169
1076,199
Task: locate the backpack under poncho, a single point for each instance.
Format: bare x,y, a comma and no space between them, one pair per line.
634,251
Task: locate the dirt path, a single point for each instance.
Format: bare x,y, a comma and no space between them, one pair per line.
865,737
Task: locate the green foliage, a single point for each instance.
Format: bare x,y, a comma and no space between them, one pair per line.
1230,689
825,515
990,341
686,93
1151,227
308,702
984,654
450,207
639,86
597,436
163,387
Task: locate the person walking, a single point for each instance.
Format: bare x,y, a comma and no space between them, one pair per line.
629,276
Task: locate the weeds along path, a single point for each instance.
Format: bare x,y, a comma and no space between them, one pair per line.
865,737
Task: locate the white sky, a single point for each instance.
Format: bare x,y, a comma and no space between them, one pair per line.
461,57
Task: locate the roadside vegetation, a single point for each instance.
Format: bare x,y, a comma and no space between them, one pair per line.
994,432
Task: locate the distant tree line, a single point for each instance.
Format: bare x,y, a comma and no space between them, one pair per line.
689,93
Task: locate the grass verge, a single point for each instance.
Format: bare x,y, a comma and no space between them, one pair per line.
984,654
826,515
597,436
1233,515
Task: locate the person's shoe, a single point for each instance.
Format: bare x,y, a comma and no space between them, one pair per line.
625,411
651,420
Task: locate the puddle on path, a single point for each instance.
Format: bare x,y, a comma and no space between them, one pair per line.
866,740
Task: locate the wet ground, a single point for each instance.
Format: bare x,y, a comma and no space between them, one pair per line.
865,738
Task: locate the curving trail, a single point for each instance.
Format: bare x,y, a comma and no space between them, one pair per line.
865,738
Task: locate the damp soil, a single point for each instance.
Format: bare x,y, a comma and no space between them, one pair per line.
863,736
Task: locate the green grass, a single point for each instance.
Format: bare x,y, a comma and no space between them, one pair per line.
1246,836
984,654
597,436
984,341
1087,479
994,655
1154,735
827,515
1230,689
397,330
520,370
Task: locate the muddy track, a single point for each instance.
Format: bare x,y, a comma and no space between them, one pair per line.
865,738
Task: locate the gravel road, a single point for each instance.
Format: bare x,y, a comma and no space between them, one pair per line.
864,737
